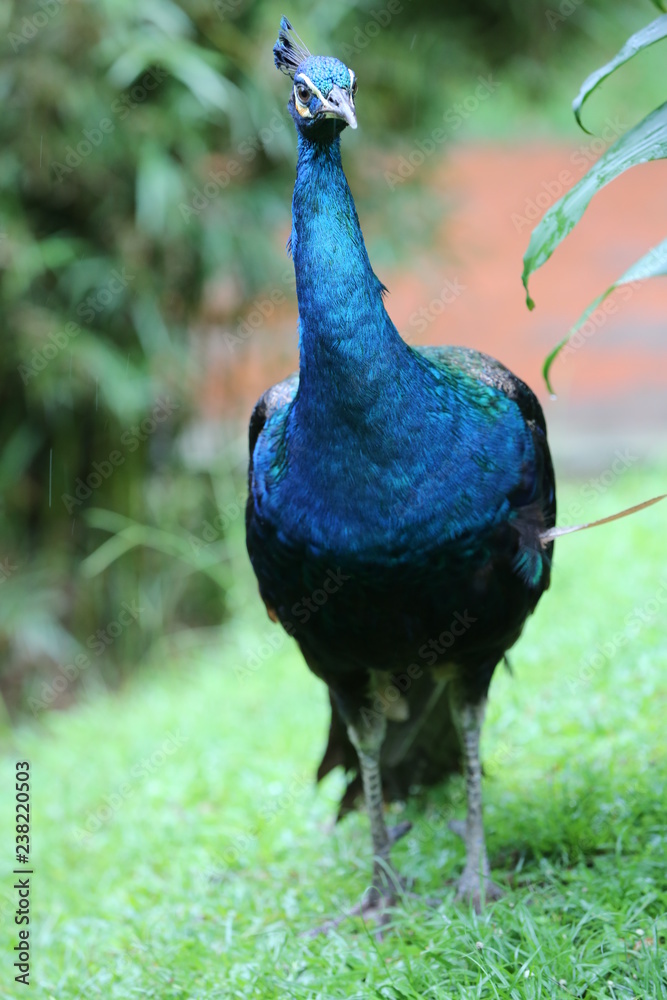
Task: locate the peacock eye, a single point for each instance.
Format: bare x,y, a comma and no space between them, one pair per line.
302,93
353,88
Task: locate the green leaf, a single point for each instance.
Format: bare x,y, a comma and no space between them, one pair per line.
17,454
158,188
646,141
183,60
660,4
651,265
129,534
652,33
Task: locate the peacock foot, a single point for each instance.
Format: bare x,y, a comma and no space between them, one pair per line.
474,886
388,885
380,900
376,905
382,896
477,889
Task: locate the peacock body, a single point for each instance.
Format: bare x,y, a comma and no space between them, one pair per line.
397,498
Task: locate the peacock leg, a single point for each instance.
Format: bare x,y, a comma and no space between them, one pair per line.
367,735
475,883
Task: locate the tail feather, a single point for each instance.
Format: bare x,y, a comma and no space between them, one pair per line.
551,533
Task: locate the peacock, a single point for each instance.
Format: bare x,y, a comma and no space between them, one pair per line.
400,503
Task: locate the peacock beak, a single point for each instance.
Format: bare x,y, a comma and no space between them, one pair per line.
339,104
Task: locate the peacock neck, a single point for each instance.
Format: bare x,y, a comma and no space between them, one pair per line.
350,351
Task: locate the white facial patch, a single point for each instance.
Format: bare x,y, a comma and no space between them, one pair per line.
328,110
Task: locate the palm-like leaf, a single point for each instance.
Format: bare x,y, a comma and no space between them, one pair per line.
645,142
649,35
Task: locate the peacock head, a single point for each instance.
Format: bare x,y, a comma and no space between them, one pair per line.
322,101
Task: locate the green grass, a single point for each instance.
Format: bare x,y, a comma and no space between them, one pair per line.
214,858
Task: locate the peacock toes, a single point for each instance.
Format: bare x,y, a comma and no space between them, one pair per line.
475,885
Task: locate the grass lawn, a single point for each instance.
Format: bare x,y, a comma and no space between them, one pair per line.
181,848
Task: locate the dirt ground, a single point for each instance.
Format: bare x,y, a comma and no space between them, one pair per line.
466,289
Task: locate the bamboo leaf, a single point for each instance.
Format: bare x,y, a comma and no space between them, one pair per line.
652,33
651,265
129,535
645,142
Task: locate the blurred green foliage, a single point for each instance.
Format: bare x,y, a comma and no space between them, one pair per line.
145,155
111,113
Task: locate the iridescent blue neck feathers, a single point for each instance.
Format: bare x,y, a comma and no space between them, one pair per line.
349,346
